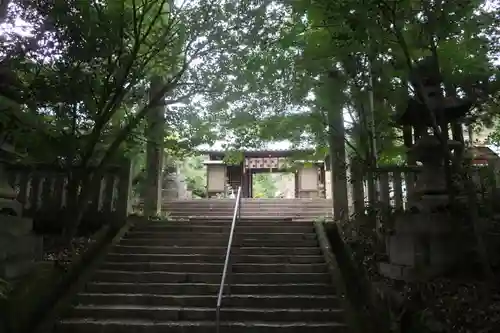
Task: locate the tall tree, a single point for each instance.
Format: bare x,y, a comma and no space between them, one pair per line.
83,72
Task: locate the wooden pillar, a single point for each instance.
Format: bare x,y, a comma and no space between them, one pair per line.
322,180
296,174
243,181
155,133
4,5
250,183
357,186
339,186
246,182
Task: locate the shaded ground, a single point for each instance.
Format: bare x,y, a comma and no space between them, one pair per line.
461,303
63,255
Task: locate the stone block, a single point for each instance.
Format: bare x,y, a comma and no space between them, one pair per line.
15,225
407,273
391,271
429,202
421,246
423,223
401,250
27,246
11,207
443,251
14,269
406,249
431,179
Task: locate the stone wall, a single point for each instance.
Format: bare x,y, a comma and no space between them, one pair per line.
19,247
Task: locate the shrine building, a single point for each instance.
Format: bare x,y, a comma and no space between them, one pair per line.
221,171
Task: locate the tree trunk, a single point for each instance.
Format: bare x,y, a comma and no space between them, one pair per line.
336,137
365,138
331,100
4,5
154,161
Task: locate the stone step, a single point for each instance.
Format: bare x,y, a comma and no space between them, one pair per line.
209,289
164,276
227,220
149,266
251,202
262,220
295,217
86,325
258,212
170,227
220,235
236,278
245,206
243,301
251,207
260,209
306,255
217,242
245,200
248,214
175,313
245,203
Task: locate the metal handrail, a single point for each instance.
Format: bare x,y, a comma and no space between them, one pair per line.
236,215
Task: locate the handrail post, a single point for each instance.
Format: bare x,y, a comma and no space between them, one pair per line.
227,261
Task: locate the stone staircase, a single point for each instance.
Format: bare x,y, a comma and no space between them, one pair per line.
165,276
297,209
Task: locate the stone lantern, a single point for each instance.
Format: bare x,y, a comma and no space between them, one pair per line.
19,247
421,241
8,203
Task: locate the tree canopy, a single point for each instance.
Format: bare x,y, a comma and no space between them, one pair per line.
76,79
273,92
245,70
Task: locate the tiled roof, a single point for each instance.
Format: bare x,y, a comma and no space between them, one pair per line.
268,147
254,150
485,152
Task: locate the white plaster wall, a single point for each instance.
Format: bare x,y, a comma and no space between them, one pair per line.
216,177
308,179
328,184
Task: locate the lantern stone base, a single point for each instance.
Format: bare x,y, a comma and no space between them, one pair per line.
10,207
19,247
407,273
16,268
420,246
